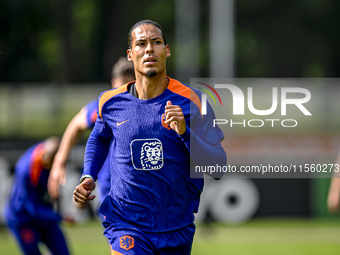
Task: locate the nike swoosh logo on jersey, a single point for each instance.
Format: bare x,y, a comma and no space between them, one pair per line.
118,124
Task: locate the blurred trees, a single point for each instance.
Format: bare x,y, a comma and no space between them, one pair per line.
79,40
287,38
69,40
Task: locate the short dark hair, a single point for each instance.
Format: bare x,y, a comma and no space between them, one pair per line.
123,68
144,22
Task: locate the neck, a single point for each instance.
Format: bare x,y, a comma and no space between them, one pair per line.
150,87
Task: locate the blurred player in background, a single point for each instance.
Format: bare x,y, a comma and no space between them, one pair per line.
28,213
333,200
157,128
122,72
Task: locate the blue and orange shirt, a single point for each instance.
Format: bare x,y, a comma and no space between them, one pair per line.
152,187
29,200
91,113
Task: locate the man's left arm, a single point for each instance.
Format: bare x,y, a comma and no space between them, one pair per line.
203,152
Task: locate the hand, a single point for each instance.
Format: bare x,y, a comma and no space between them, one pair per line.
57,177
175,116
82,193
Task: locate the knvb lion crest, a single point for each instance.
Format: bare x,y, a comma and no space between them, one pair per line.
152,155
147,154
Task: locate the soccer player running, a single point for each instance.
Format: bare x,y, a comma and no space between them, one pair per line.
122,72
158,131
28,212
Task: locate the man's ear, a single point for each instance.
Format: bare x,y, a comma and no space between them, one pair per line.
168,53
129,55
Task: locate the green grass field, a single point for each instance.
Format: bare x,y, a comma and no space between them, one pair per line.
265,236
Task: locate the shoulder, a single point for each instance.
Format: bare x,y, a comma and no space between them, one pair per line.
29,165
109,94
88,115
23,163
36,165
185,91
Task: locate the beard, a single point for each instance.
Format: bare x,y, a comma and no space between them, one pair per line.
151,73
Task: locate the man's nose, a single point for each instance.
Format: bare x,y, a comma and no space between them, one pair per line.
149,47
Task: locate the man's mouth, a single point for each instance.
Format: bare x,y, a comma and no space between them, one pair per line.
150,60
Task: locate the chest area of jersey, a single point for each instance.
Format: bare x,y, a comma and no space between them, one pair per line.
141,135
138,121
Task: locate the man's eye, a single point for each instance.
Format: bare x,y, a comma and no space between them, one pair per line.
158,42
140,44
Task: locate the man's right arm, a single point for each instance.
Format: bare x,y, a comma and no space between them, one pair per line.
96,151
